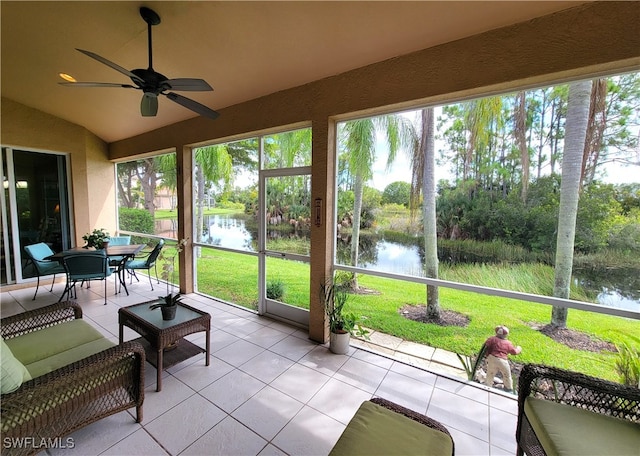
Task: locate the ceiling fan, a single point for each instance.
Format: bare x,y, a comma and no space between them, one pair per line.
151,82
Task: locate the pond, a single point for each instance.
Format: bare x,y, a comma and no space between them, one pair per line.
619,288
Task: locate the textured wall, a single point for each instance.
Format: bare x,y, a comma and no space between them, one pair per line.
92,177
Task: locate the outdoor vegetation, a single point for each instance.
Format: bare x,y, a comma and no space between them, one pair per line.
513,192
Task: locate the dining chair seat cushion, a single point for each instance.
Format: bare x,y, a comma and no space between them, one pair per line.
563,429
137,264
119,240
50,267
39,251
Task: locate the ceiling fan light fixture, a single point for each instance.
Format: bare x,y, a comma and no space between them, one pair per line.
149,104
67,77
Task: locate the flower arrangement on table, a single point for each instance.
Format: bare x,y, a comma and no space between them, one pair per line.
170,300
97,238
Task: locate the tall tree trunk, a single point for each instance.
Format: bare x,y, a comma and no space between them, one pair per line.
199,203
427,147
521,140
148,181
595,130
575,133
358,190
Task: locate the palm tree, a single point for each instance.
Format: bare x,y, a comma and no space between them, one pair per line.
479,115
360,141
575,134
423,180
213,164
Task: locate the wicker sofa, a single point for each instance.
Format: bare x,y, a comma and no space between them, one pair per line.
72,376
562,412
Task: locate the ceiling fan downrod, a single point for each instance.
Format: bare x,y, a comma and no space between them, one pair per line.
151,18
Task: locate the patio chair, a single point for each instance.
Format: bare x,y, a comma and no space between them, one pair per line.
92,265
36,254
381,427
145,263
118,240
565,412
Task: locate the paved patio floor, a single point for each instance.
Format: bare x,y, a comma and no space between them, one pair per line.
269,390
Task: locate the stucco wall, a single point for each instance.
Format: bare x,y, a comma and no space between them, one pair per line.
92,175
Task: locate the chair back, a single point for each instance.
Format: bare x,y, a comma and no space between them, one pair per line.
38,252
153,256
120,240
86,266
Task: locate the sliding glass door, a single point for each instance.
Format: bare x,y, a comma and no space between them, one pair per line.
35,208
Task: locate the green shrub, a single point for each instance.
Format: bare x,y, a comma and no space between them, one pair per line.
628,364
136,220
275,289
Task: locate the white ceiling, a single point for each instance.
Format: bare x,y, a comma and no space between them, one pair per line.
243,49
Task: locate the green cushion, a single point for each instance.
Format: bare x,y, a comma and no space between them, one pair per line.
563,429
50,341
13,372
375,430
72,355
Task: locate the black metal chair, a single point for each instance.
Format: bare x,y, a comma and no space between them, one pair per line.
36,254
92,265
145,263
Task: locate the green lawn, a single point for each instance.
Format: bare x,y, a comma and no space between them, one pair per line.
233,277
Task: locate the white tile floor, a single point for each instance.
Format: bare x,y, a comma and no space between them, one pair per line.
269,390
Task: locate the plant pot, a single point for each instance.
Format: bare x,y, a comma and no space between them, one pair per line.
339,343
105,244
168,313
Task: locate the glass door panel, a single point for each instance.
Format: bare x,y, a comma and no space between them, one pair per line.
286,243
35,204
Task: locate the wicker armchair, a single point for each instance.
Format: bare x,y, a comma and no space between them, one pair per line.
381,427
54,405
585,393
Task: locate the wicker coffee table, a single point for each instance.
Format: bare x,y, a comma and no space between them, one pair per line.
164,341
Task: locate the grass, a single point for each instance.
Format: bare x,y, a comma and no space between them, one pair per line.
233,277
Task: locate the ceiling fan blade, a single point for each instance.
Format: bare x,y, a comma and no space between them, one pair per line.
193,105
97,84
115,66
189,84
149,104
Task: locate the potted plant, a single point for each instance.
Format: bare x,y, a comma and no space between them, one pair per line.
342,324
169,303
98,238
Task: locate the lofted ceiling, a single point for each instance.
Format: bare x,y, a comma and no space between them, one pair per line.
243,49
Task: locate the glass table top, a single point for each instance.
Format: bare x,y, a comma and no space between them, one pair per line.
154,317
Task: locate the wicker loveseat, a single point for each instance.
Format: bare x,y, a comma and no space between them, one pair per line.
562,412
71,377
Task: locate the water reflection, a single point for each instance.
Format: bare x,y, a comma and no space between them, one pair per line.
230,232
621,290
